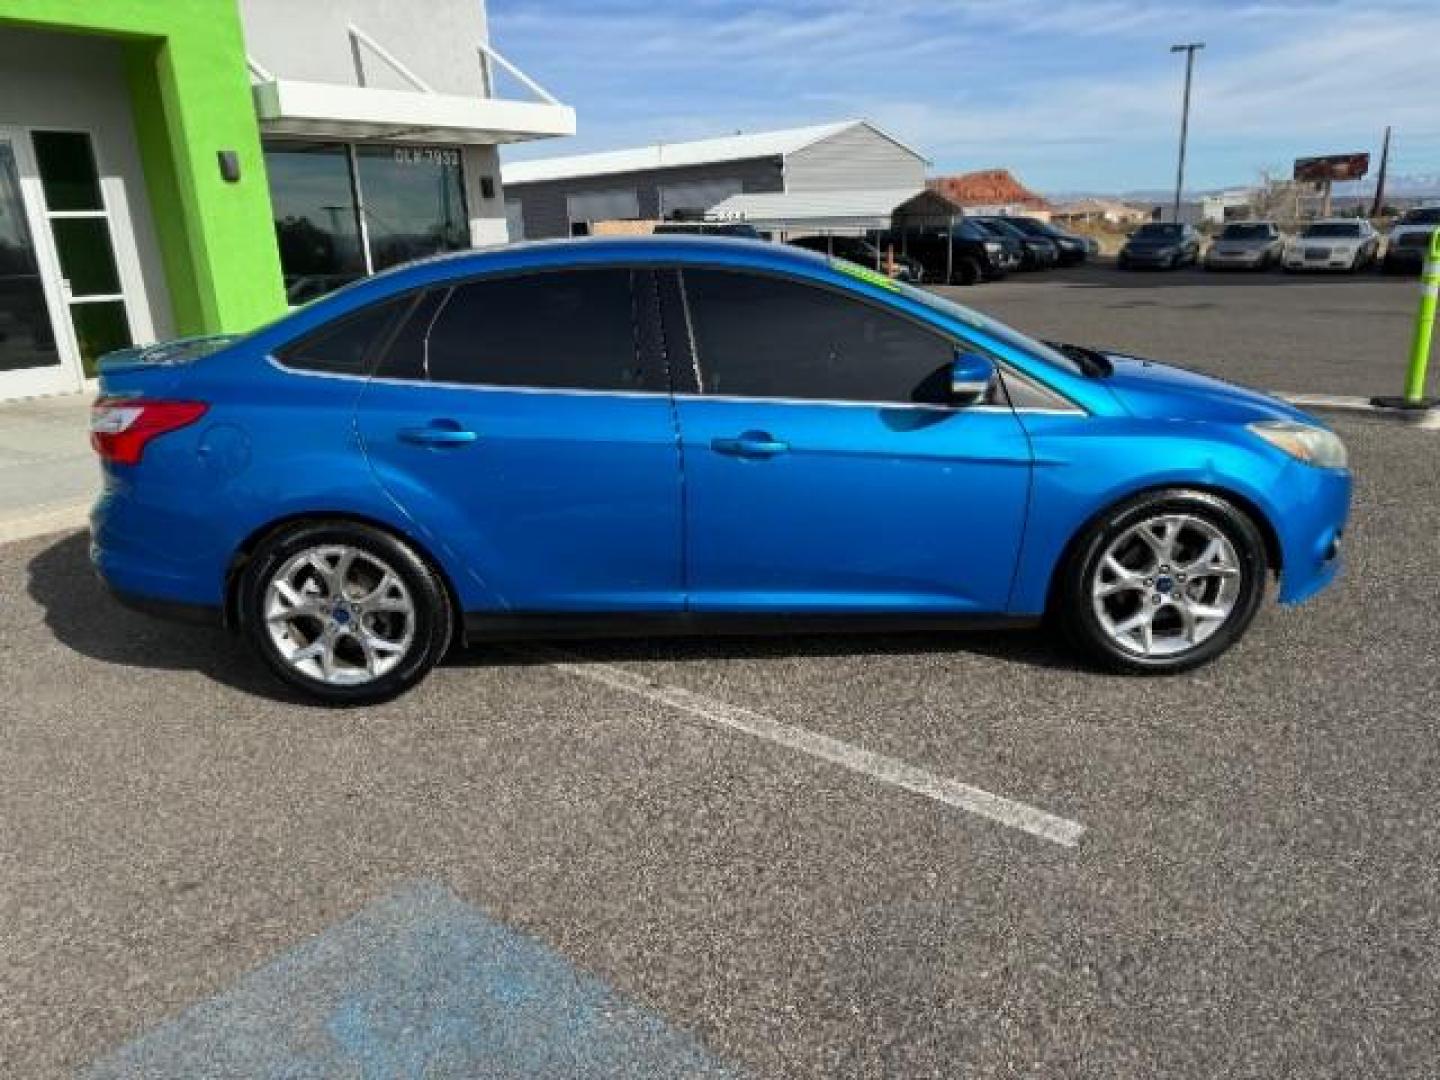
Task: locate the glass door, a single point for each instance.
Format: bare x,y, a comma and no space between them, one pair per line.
81,228
36,353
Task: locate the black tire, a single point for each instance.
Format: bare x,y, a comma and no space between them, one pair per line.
433,617
1073,610
966,272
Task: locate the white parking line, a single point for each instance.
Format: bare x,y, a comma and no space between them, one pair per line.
997,808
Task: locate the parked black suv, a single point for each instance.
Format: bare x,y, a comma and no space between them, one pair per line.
1036,252
967,256
857,249
1071,248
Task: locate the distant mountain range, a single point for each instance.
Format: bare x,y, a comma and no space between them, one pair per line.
1408,186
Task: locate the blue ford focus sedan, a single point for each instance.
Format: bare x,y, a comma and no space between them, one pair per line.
689,434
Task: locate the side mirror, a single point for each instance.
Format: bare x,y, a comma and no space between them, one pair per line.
970,377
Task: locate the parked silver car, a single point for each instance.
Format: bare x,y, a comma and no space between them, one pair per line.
1246,245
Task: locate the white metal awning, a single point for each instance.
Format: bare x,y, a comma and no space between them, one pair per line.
821,210
291,107
331,110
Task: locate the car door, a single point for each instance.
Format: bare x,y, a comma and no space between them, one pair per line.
520,421
825,471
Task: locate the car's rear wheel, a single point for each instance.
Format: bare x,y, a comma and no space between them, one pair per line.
344,612
1163,583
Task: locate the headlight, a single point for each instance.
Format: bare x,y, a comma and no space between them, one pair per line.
993,246
1316,446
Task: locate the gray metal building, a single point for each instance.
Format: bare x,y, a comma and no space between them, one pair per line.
560,196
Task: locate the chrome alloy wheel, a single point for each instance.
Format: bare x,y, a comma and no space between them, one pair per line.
339,615
1166,584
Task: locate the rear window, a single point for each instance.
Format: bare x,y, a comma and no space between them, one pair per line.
347,345
1157,231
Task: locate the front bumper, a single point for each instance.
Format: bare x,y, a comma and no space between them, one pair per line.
1405,258
1248,260
1335,260
1149,258
1311,528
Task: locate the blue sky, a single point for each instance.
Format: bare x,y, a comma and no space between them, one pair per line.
1073,95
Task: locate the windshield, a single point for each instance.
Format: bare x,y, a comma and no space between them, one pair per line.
997,330
1246,232
1030,225
1157,230
1425,215
994,228
1334,228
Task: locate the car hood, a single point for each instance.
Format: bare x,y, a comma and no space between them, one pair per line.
1160,392
1243,245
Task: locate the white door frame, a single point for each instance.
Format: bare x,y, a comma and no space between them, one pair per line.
67,375
115,212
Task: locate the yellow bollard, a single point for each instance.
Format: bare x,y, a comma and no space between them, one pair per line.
1424,323
1414,397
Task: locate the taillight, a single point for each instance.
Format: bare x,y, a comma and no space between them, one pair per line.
120,428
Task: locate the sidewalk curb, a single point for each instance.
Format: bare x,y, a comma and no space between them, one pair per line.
1424,421
61,517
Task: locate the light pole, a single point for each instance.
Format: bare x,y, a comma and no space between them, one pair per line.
1189,51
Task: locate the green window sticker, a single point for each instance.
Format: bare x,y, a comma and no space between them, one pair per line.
865,274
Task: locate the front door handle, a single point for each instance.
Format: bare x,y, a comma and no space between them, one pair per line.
439,433
750,444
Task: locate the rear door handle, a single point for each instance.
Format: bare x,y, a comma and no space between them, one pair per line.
438,433
750,444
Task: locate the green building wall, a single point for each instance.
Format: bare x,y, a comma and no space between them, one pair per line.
190,96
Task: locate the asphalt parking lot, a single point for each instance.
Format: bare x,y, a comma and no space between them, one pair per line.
811,857
1312,333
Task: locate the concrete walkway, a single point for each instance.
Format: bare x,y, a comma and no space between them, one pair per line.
48,473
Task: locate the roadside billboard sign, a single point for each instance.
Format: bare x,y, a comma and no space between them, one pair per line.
1316,170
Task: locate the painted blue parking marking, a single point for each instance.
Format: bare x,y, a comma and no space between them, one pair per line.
419,984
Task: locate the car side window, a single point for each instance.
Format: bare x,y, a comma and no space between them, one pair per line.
769,337
566,329
345,346
406,357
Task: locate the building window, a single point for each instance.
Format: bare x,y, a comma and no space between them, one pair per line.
344,211
413,200
316,221
585,208
515,219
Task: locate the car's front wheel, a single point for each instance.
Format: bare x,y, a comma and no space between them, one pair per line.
344,612
1163,583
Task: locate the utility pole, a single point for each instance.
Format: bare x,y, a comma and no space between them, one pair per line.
1189,50
1379,203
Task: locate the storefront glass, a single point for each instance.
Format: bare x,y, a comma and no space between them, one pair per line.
411,199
